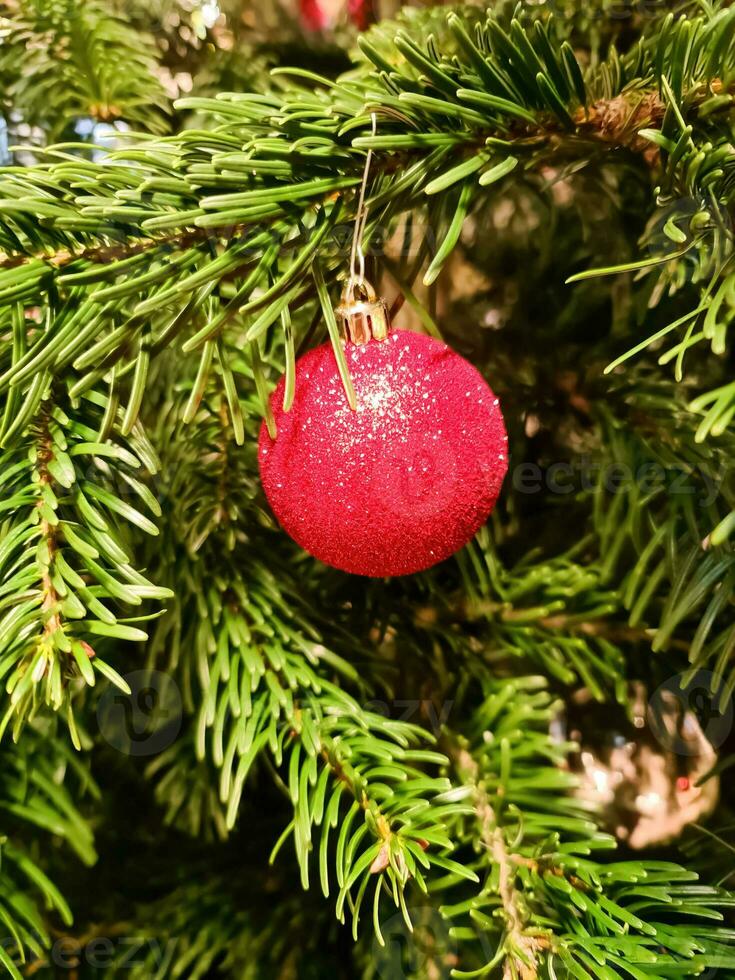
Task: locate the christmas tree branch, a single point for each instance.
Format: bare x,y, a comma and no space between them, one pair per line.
36,795
64,552
144,189
60,60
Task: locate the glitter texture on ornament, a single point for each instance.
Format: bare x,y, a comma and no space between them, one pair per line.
399,484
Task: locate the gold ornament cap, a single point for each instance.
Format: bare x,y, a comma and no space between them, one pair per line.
364,314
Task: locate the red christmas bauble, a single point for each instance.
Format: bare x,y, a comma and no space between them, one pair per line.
323,15
403,481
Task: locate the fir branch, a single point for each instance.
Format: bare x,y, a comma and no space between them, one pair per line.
64,552
61,61
39,778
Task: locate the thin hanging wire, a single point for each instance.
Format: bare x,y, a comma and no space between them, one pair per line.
361,220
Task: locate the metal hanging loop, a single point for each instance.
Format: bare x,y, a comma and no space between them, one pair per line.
364,314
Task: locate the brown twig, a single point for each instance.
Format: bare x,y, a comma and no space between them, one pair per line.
50,603
522,947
